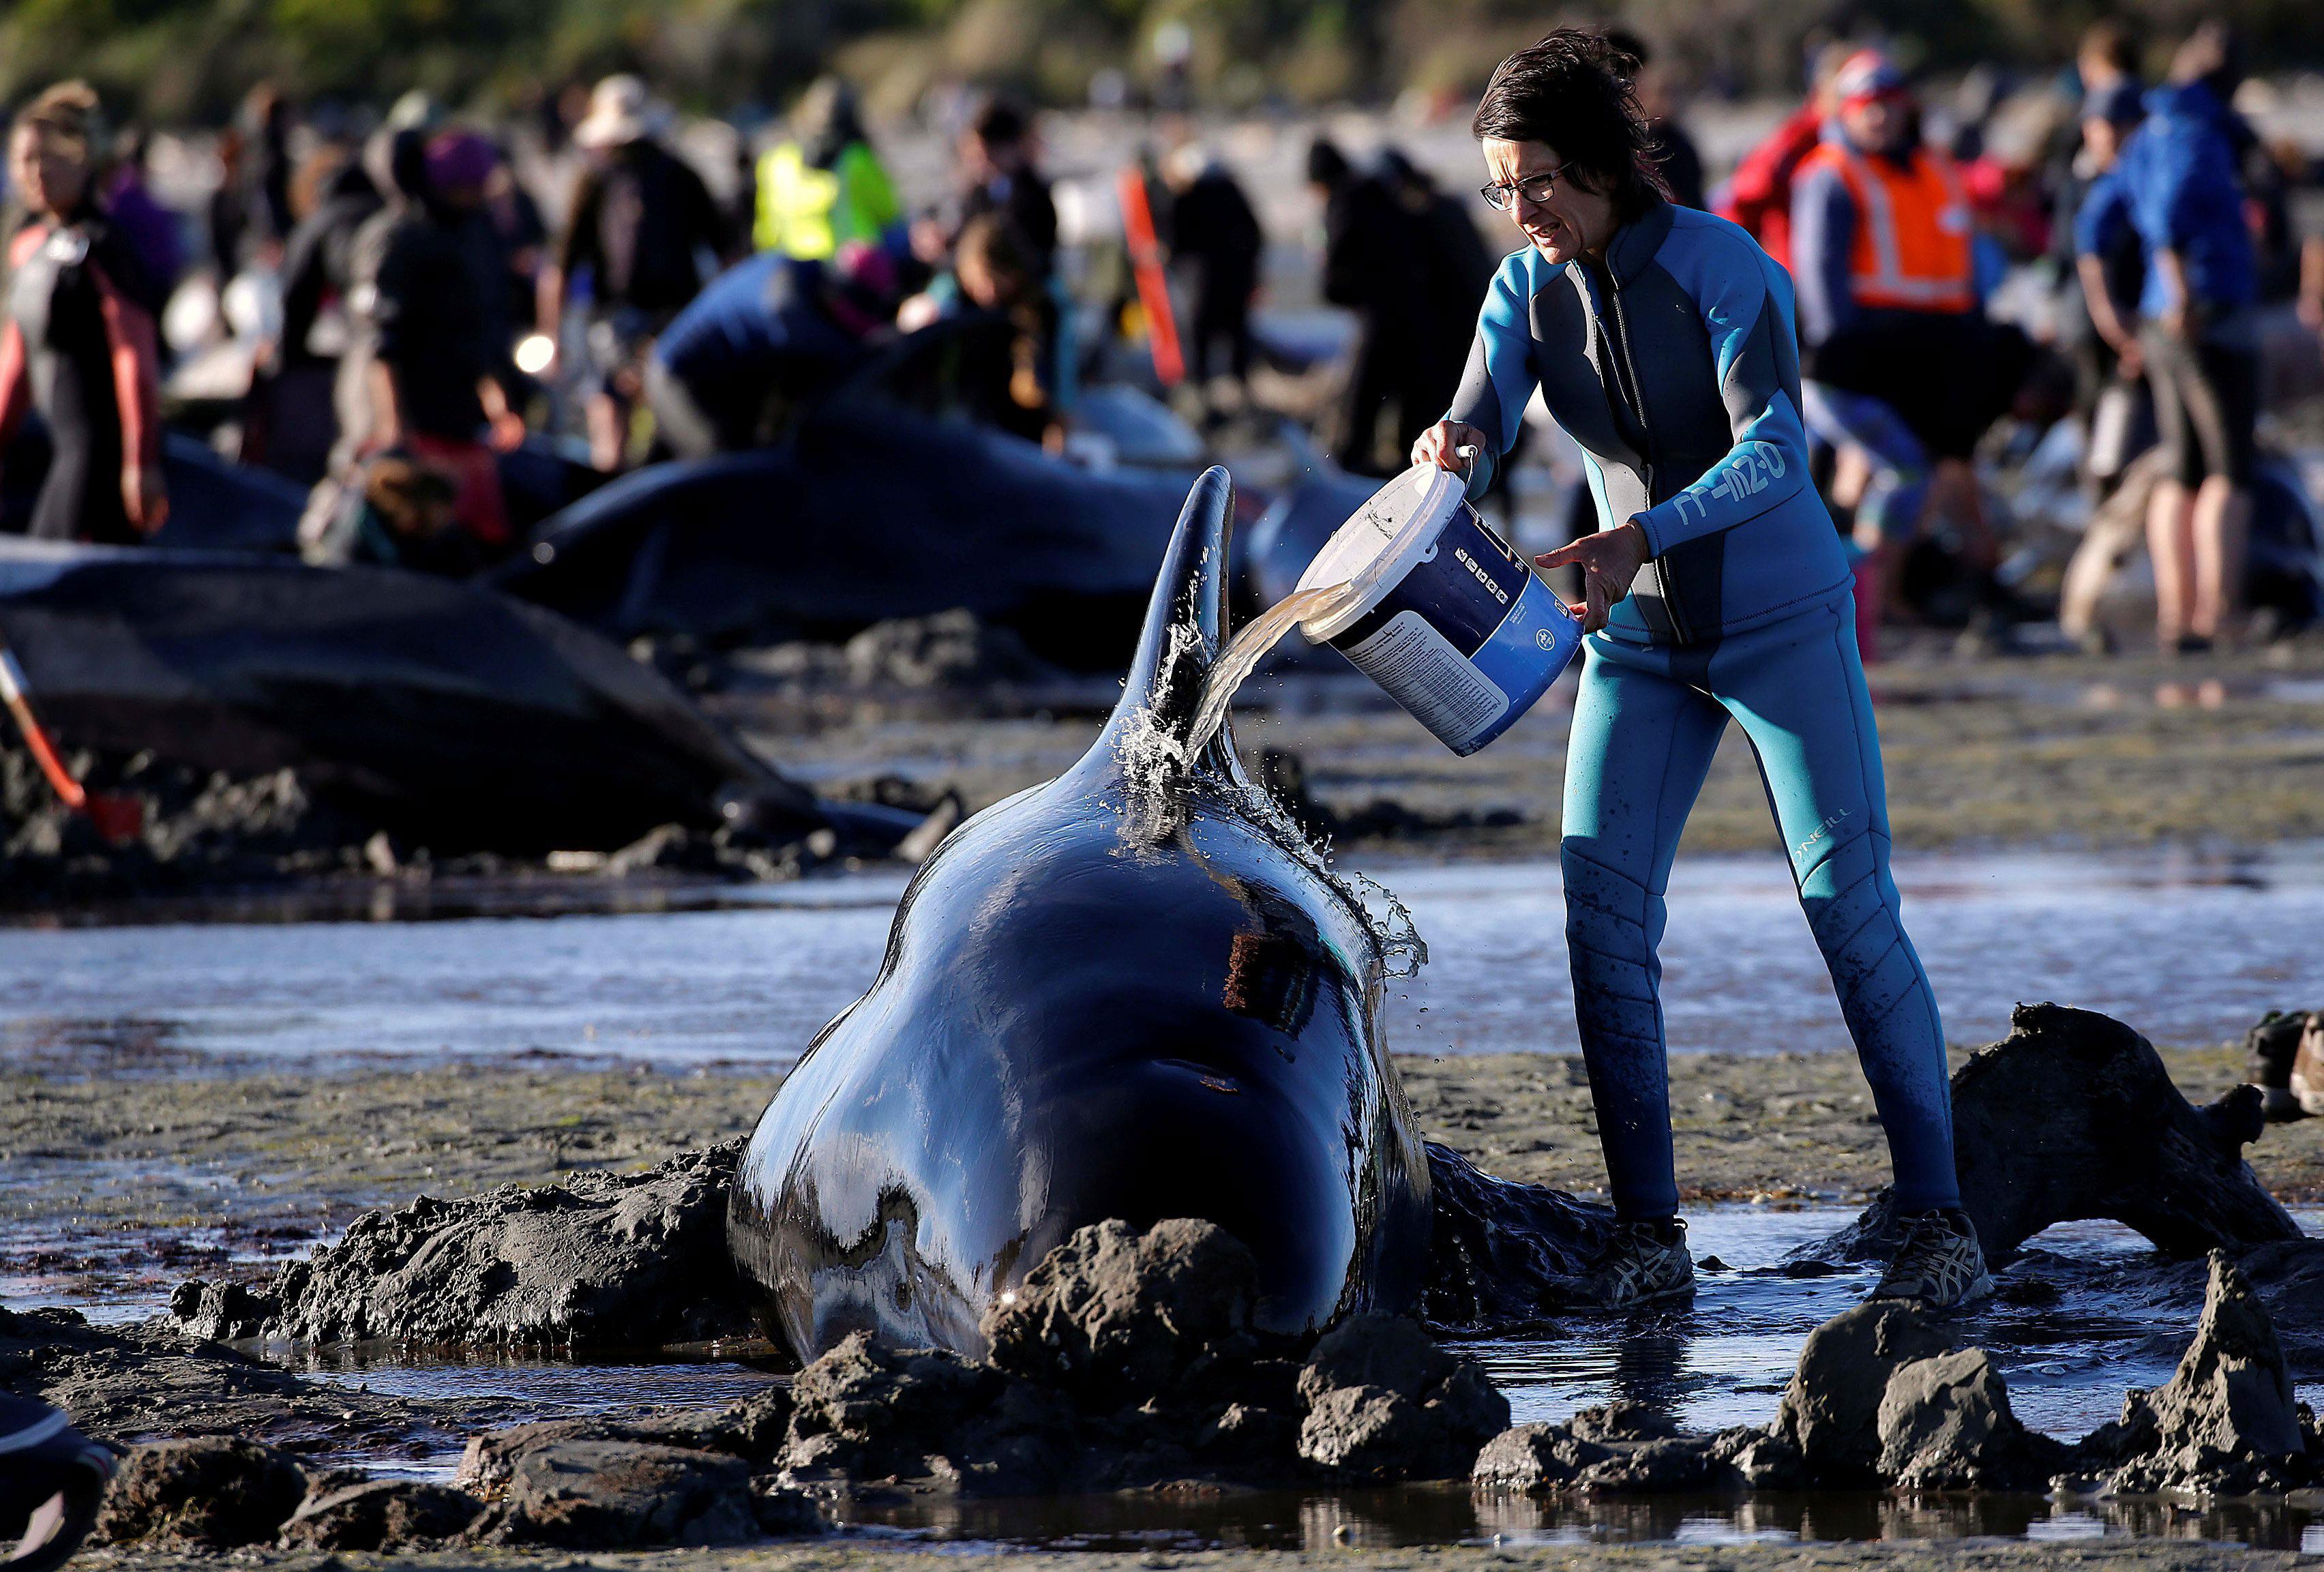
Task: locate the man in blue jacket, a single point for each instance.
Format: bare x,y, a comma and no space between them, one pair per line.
1662,340
2181,170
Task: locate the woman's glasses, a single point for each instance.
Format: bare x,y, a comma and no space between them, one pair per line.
1503,195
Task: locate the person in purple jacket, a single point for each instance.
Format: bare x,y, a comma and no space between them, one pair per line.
2180,171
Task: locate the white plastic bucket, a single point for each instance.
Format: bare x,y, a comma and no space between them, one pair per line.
1445,615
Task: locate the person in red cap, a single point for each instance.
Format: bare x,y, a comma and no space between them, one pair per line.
1898,360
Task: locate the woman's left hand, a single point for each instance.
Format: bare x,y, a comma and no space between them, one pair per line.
1609,560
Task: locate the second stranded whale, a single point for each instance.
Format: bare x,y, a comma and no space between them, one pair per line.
1133,991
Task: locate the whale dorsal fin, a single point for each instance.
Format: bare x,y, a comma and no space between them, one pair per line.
1185,621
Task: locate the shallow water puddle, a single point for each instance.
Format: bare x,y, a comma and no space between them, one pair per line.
1435,1514
2067,1354
1741,972
1724,1361
1719,1362
752,979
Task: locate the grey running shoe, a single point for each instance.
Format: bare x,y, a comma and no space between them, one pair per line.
1939,1264
1643,1262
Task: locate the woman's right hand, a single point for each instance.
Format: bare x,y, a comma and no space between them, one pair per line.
1441,444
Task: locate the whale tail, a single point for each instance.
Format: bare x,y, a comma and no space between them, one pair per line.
1185,622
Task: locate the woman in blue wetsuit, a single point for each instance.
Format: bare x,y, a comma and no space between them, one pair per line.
1662,340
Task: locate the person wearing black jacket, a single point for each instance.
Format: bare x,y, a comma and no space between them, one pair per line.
997,156
1215,236
77,341
639,220
1452,269
288,420
1369,268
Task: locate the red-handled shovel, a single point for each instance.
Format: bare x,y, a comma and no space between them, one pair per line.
120,819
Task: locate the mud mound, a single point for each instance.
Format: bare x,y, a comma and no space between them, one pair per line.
1502,1253
2074,1116
1113,1314
2226,1423
682,1479
585,1495
199,829
147,1382
210,1493
1129,1361
380,1514
1385,1402
602,1259
754,1429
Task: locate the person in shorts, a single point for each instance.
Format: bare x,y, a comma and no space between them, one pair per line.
2201,342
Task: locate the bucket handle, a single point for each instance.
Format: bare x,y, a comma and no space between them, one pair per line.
1470,451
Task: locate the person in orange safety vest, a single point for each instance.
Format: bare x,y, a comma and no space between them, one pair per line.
1896,346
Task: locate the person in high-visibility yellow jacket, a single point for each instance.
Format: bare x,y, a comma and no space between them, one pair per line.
826,186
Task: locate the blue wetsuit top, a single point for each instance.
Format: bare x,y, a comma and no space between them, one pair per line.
1675,365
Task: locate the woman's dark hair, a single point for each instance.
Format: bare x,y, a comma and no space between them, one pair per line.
1573,91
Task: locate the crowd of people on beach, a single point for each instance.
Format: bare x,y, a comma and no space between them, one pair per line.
2176,223
422,294
422,312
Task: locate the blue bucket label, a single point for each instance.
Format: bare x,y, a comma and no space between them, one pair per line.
1468,639
1475,582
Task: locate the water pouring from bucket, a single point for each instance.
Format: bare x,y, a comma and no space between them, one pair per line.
1427,600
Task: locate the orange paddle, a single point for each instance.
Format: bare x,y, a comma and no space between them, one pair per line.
120,819
1153,284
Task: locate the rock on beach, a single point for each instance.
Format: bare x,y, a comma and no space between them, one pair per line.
604,1259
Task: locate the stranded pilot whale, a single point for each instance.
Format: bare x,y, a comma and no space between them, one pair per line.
1131,993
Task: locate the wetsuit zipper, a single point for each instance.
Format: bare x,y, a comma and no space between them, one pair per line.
1637,396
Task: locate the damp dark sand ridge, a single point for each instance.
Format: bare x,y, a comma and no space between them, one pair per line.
2061,751
127,1185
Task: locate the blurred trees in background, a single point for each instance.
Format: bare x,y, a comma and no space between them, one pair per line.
188,59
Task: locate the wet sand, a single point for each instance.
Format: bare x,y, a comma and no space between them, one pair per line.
125,1186
2059,752
118,1179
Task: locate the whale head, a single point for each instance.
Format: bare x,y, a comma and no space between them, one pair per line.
1132,992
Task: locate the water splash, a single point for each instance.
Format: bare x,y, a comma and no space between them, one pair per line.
1154,764
1403,952
1248,648
1157,771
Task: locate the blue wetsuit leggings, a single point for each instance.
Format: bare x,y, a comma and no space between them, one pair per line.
1645,725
